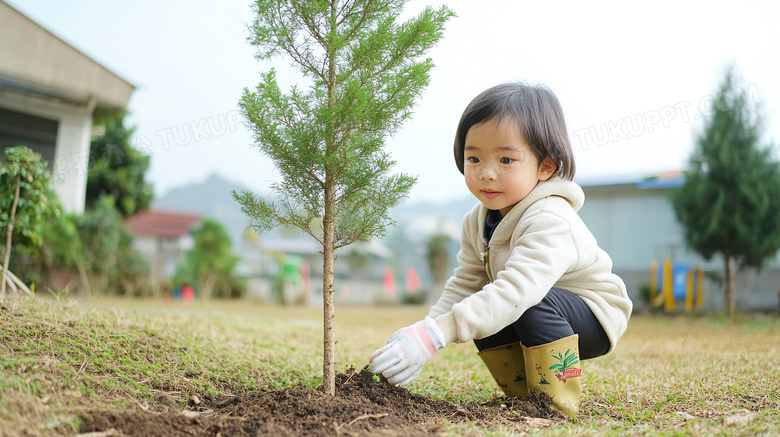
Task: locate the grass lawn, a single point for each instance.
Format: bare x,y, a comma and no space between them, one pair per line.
680,375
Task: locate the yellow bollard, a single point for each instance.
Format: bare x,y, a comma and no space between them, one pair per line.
667,286
699,297
689,291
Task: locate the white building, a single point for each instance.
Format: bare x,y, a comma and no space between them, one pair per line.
162,237
48,94
634,222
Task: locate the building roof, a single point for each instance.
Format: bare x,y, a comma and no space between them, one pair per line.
609,180
669,179
666,179
161,224
35,61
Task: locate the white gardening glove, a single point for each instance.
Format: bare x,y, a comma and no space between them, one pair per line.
402,358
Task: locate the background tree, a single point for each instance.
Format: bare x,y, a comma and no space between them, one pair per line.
116,169
365,71
210,259
729,201
438,256
23,202
102,250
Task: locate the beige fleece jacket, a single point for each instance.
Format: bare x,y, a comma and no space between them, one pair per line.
541,243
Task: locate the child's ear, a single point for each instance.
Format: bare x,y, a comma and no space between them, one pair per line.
546,168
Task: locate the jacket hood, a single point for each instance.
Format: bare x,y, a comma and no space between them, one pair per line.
558,187
554,186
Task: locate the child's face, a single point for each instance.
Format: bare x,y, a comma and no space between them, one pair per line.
499,165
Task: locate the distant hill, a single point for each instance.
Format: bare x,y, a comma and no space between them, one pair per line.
211,198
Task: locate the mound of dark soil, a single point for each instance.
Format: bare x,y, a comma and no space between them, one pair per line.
361,407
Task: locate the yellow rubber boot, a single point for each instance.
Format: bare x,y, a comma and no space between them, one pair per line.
553,368
507,367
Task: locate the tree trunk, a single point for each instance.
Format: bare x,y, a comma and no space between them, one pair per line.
329,232
207,287
328,297
435,294
83,275
8,236
731,273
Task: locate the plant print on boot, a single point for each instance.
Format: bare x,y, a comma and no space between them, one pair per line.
554,364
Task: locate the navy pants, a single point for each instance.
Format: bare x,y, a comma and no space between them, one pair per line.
560,314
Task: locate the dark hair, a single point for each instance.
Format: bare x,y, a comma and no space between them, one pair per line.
540,119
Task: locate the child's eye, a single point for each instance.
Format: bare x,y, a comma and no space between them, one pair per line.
472,159
506,161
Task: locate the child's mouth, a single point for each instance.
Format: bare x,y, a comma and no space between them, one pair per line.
490,194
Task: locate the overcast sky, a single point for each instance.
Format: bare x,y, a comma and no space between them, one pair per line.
635,79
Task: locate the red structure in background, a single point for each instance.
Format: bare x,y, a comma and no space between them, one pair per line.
388,283
412,280
187,293
161,224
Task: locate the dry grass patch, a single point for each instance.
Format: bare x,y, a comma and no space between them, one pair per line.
694,376
670,375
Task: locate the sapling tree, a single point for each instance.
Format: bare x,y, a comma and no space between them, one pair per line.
23,203
364,69
728,203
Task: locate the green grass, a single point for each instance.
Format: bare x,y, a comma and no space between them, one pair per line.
669,375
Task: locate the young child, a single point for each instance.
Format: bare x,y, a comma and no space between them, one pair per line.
532,288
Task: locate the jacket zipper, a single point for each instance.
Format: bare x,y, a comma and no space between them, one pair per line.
486,262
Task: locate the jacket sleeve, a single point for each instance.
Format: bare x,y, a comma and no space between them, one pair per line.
469,276
540,255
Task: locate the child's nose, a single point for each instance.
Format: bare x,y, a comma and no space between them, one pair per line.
488,172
